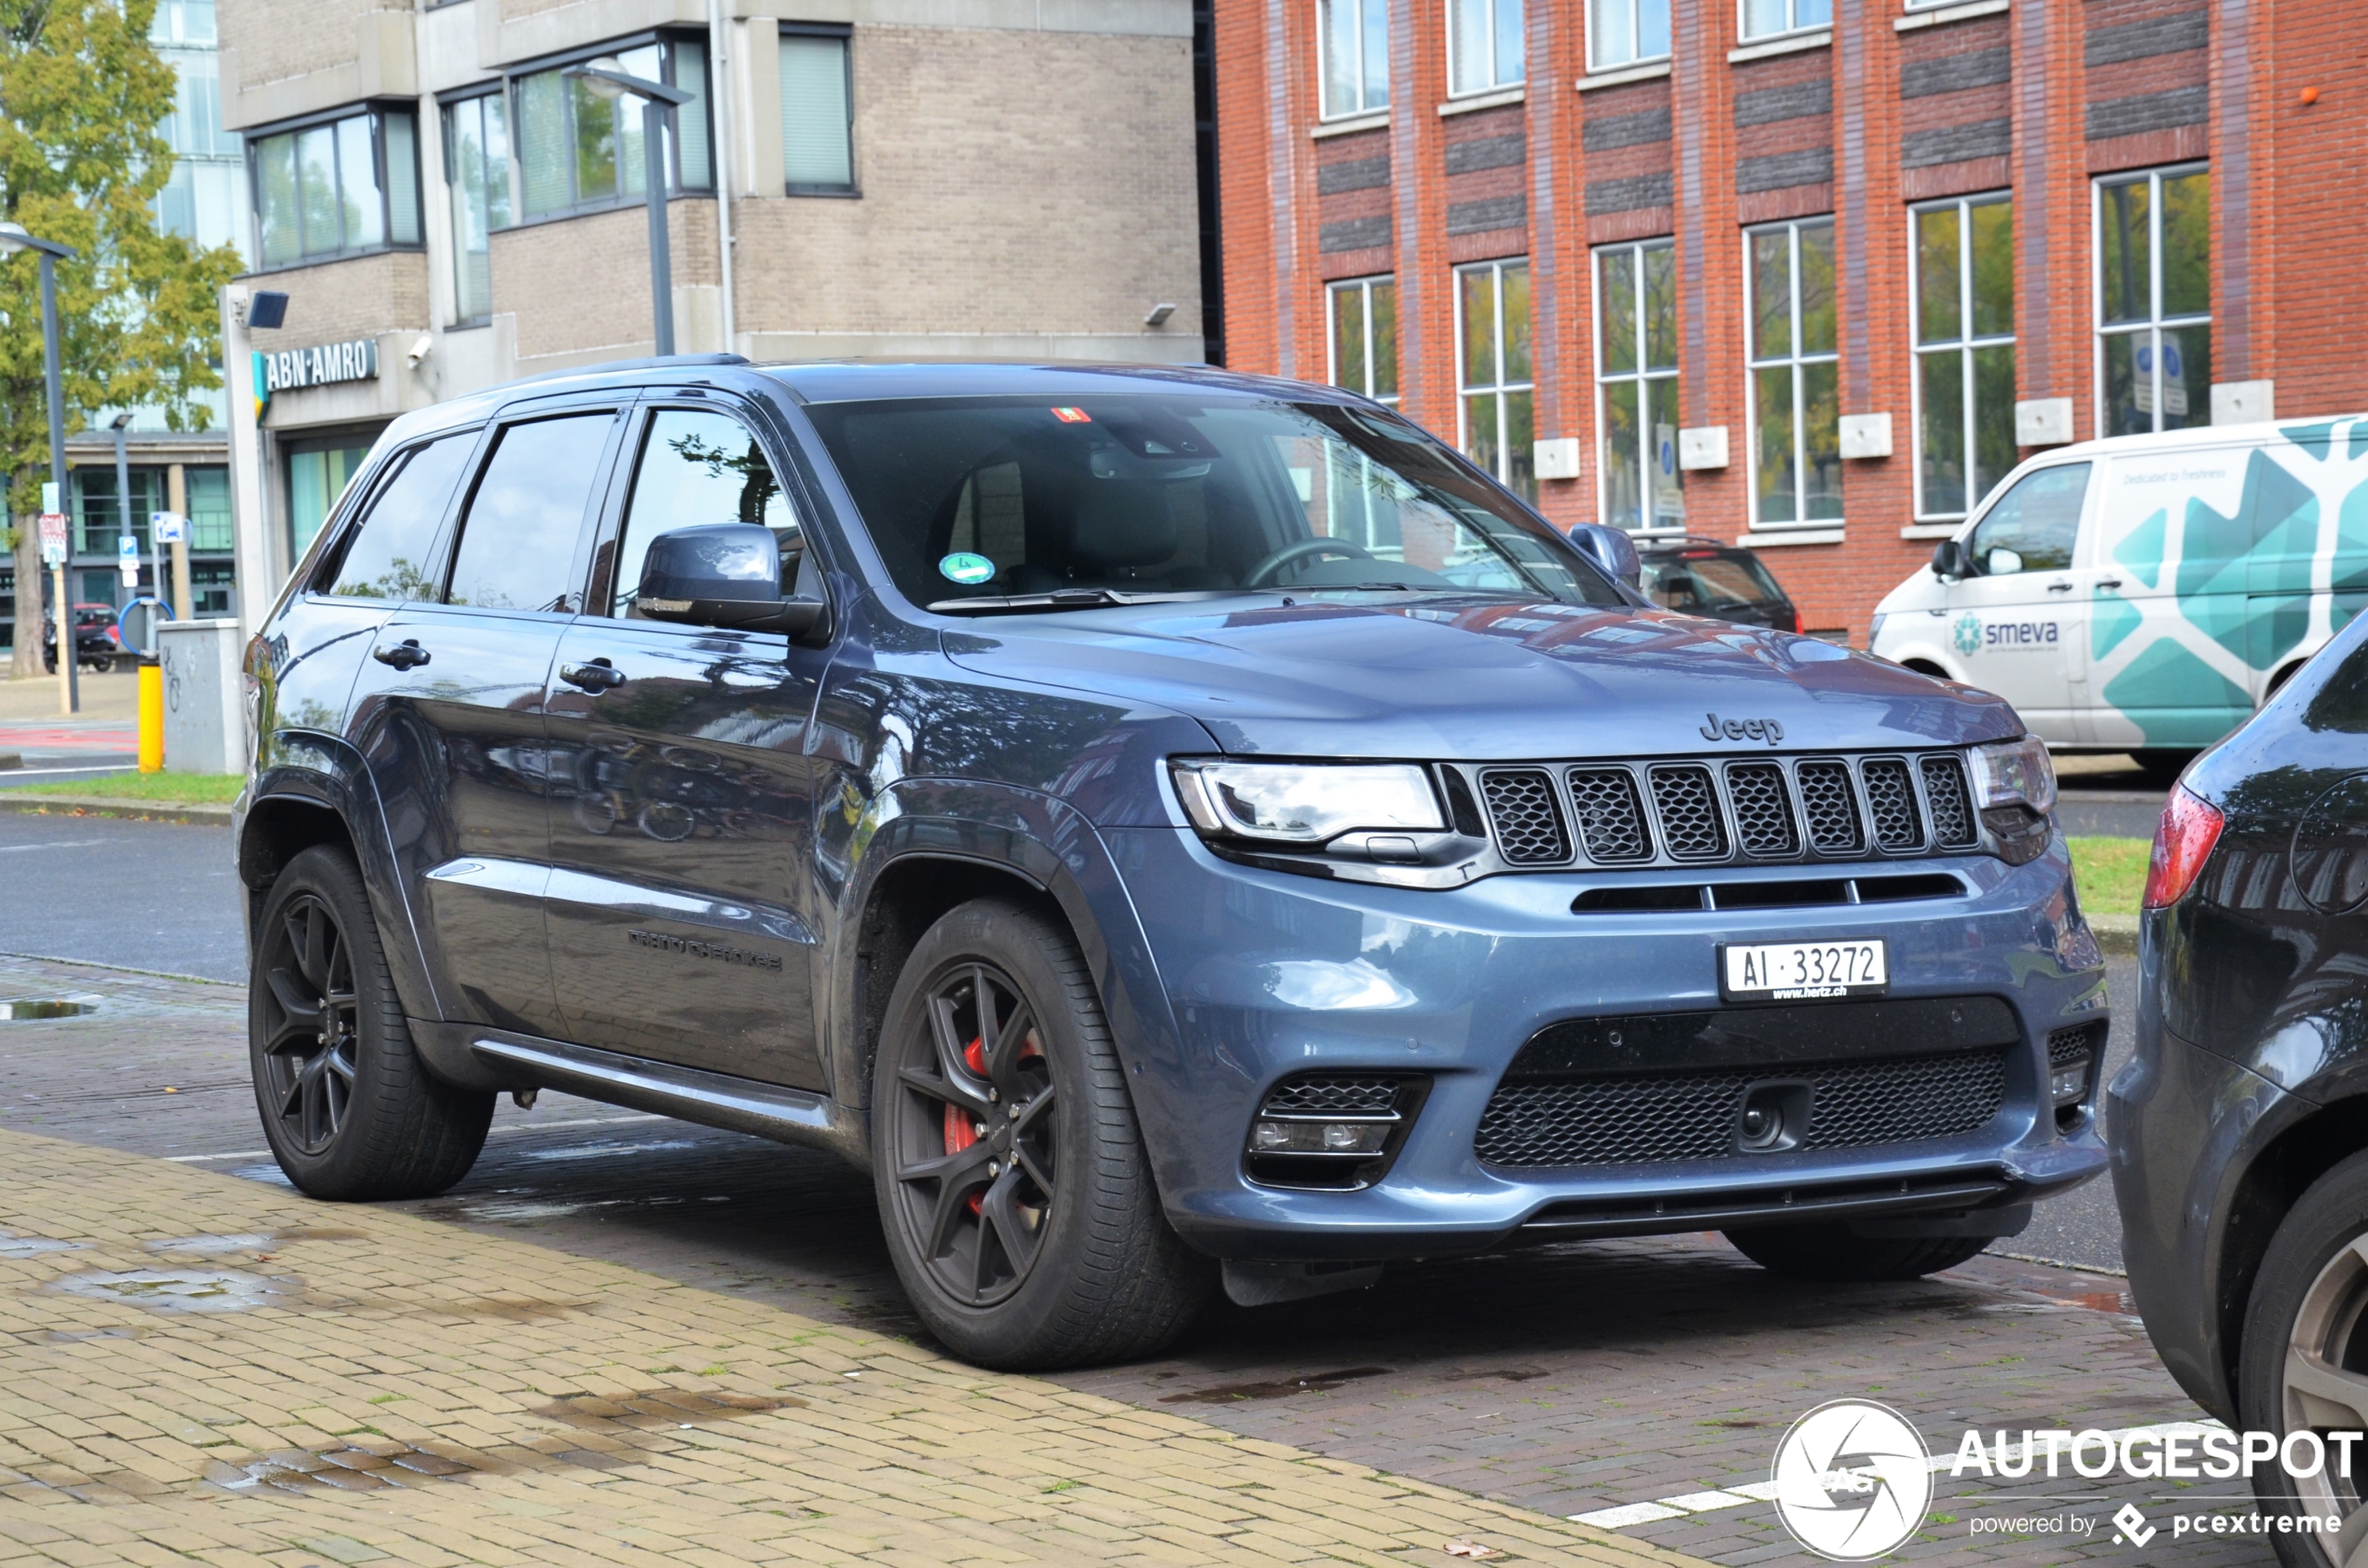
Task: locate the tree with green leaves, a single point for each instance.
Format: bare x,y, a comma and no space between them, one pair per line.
81,96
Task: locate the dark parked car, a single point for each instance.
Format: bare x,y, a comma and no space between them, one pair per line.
1172,828
1704,577
2240,1126
95,644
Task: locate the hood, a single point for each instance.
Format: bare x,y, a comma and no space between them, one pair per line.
1479,680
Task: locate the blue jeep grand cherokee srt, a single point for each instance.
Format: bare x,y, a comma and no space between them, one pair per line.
1171,827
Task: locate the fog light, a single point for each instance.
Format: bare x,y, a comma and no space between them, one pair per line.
2069,1082
1318,1138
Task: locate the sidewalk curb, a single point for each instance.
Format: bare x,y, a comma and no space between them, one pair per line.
198,813
2117,934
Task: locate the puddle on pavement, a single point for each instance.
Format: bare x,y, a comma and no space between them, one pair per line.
1314,1382
259,1242
661,1407
1510,1374
33,1247
342,1469
605,1151
29,1010
178,1290
270,1176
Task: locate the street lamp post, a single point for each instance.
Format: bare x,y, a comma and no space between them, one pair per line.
13,239
607,78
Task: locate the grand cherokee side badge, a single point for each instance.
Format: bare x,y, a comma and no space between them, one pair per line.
1767,730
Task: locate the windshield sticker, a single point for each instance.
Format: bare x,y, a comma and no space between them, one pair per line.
1073,416
965,568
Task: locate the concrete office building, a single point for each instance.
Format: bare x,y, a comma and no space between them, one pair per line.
446,210
1809,274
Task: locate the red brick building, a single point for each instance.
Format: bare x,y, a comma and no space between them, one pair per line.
1809,274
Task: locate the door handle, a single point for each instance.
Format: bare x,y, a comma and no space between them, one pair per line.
2109,582
2059,587
598,676
406,655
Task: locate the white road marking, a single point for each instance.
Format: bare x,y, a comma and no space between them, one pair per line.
1710,1499
61,844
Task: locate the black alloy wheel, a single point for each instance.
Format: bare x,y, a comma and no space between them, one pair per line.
310,1024
972,1142
350,1110
1010,1172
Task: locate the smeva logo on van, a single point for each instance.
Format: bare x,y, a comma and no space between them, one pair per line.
1975,635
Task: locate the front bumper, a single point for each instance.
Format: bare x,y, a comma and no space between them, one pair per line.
1270,974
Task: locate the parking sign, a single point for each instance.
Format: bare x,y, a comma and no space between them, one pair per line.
170,528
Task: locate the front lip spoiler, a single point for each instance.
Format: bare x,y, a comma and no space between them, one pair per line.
1574,1218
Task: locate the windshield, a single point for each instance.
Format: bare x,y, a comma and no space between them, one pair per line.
1700,581
985,499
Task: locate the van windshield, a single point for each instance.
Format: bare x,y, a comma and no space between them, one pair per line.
977,501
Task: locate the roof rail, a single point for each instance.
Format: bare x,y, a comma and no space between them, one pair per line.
655,362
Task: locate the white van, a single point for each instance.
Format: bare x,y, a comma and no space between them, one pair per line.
2147,593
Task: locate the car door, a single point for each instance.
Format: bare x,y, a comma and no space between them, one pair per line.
449,714
2016,617
681,923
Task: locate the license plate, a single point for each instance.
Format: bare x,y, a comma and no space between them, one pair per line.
1800,972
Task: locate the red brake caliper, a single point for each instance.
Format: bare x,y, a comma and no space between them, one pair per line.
959,1131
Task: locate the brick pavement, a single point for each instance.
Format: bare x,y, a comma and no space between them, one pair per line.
194,1367
1558,1379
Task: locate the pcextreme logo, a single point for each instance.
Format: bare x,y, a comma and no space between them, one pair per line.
1969,634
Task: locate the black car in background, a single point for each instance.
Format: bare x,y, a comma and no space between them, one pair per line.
2240,1129
1704,577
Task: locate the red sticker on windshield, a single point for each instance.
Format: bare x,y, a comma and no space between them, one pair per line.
1073,416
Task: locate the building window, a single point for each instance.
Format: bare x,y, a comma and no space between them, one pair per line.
1796,465
1767,19
578,151
1492,330
99,521
818,114
1636,366
2153,301
1364,315
1483,44
477,171
1624,32
319,470
208,492
1964,335
337,188
1353,55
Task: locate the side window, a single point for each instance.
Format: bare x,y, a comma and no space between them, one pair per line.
388,559
699,466
517,543
2033,526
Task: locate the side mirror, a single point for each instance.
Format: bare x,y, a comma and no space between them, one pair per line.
722,574
1613,550
1948,559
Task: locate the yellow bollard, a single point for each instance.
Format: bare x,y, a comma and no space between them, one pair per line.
151,716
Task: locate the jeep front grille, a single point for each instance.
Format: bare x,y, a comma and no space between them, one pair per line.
1707,811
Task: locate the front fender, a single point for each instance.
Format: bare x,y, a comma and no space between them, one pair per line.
311,772
1040,839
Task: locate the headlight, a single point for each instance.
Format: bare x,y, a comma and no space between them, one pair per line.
2014,773
1307,803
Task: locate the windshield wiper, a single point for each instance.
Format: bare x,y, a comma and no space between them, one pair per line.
1079,598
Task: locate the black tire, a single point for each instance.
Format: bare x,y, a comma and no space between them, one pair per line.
2310,1300
1046,1247
1831,1254
349,1111
100,663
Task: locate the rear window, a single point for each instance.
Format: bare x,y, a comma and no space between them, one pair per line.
1165,493
1710,582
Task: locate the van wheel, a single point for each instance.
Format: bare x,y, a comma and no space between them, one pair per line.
1925,666
2303,1361
1830,1253
348,1107
1012,1183
2161,766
